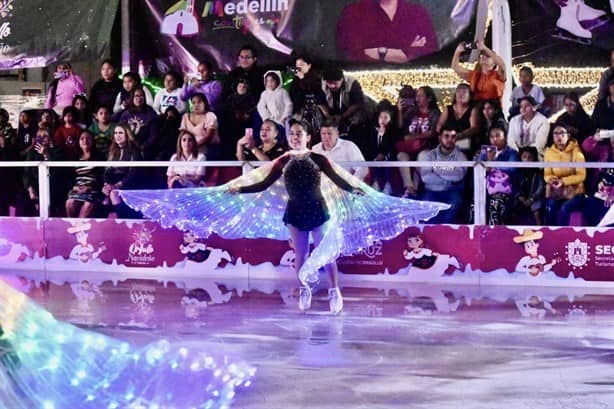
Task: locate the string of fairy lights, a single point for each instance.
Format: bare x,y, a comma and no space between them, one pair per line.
385,84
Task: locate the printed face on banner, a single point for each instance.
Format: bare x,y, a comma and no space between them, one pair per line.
344,31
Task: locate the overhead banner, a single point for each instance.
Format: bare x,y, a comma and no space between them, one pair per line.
36,33
167,33
563,32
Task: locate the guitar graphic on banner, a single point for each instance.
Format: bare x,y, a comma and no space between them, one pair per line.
181,22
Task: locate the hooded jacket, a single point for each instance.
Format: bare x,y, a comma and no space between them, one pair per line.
275,104
569,176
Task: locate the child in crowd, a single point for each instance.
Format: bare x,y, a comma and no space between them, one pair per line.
275,102
525,89
529,198
48,120
107,87
66,137
130,82
102,130
26,132
83,116
381,147
170,95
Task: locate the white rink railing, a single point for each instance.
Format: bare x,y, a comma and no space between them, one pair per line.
479,173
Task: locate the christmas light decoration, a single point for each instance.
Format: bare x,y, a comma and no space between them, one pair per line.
385,84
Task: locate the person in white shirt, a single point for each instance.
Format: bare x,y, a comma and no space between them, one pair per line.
170,95
186,176
530,128
526,89
340,150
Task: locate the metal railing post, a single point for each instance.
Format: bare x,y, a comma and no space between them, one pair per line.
479,194
44,191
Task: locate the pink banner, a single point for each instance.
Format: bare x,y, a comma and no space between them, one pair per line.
119,250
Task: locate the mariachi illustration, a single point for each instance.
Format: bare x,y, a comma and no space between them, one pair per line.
180,20
85,292
424,260
193,249
289,257
12,252
533,263
83,251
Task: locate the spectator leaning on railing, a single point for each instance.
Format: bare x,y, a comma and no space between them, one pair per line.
499,180
529,196
85,193
339,150
179,176
444,183
564,186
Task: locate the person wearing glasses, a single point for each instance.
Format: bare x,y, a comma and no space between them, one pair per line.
247,69
564,186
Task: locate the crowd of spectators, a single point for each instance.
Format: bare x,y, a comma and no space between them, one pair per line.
243,116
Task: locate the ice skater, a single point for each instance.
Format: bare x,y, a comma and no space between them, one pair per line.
306,212
342,214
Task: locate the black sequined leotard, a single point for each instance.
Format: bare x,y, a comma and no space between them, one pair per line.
306,208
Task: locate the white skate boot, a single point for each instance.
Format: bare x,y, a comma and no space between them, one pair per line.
588,13
335,300
304,298
569,21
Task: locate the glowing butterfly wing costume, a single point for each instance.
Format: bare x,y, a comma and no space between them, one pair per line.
356,221
45,363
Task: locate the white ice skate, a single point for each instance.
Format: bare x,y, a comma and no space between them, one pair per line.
588,13
568,23
591,18
335,300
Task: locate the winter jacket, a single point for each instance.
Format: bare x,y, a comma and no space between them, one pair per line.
569,176
275,104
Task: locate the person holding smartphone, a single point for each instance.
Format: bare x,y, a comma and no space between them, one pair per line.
63,88
270,147
487,79
499,186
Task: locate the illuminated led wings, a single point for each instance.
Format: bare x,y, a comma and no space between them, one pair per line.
356,221
45,363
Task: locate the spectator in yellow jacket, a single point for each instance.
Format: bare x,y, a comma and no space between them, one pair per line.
564,186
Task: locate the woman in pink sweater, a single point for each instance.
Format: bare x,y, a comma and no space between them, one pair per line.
63,88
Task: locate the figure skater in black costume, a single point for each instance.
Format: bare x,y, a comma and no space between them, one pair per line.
306,210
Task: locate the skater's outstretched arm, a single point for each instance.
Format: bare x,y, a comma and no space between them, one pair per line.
328,170
275,173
